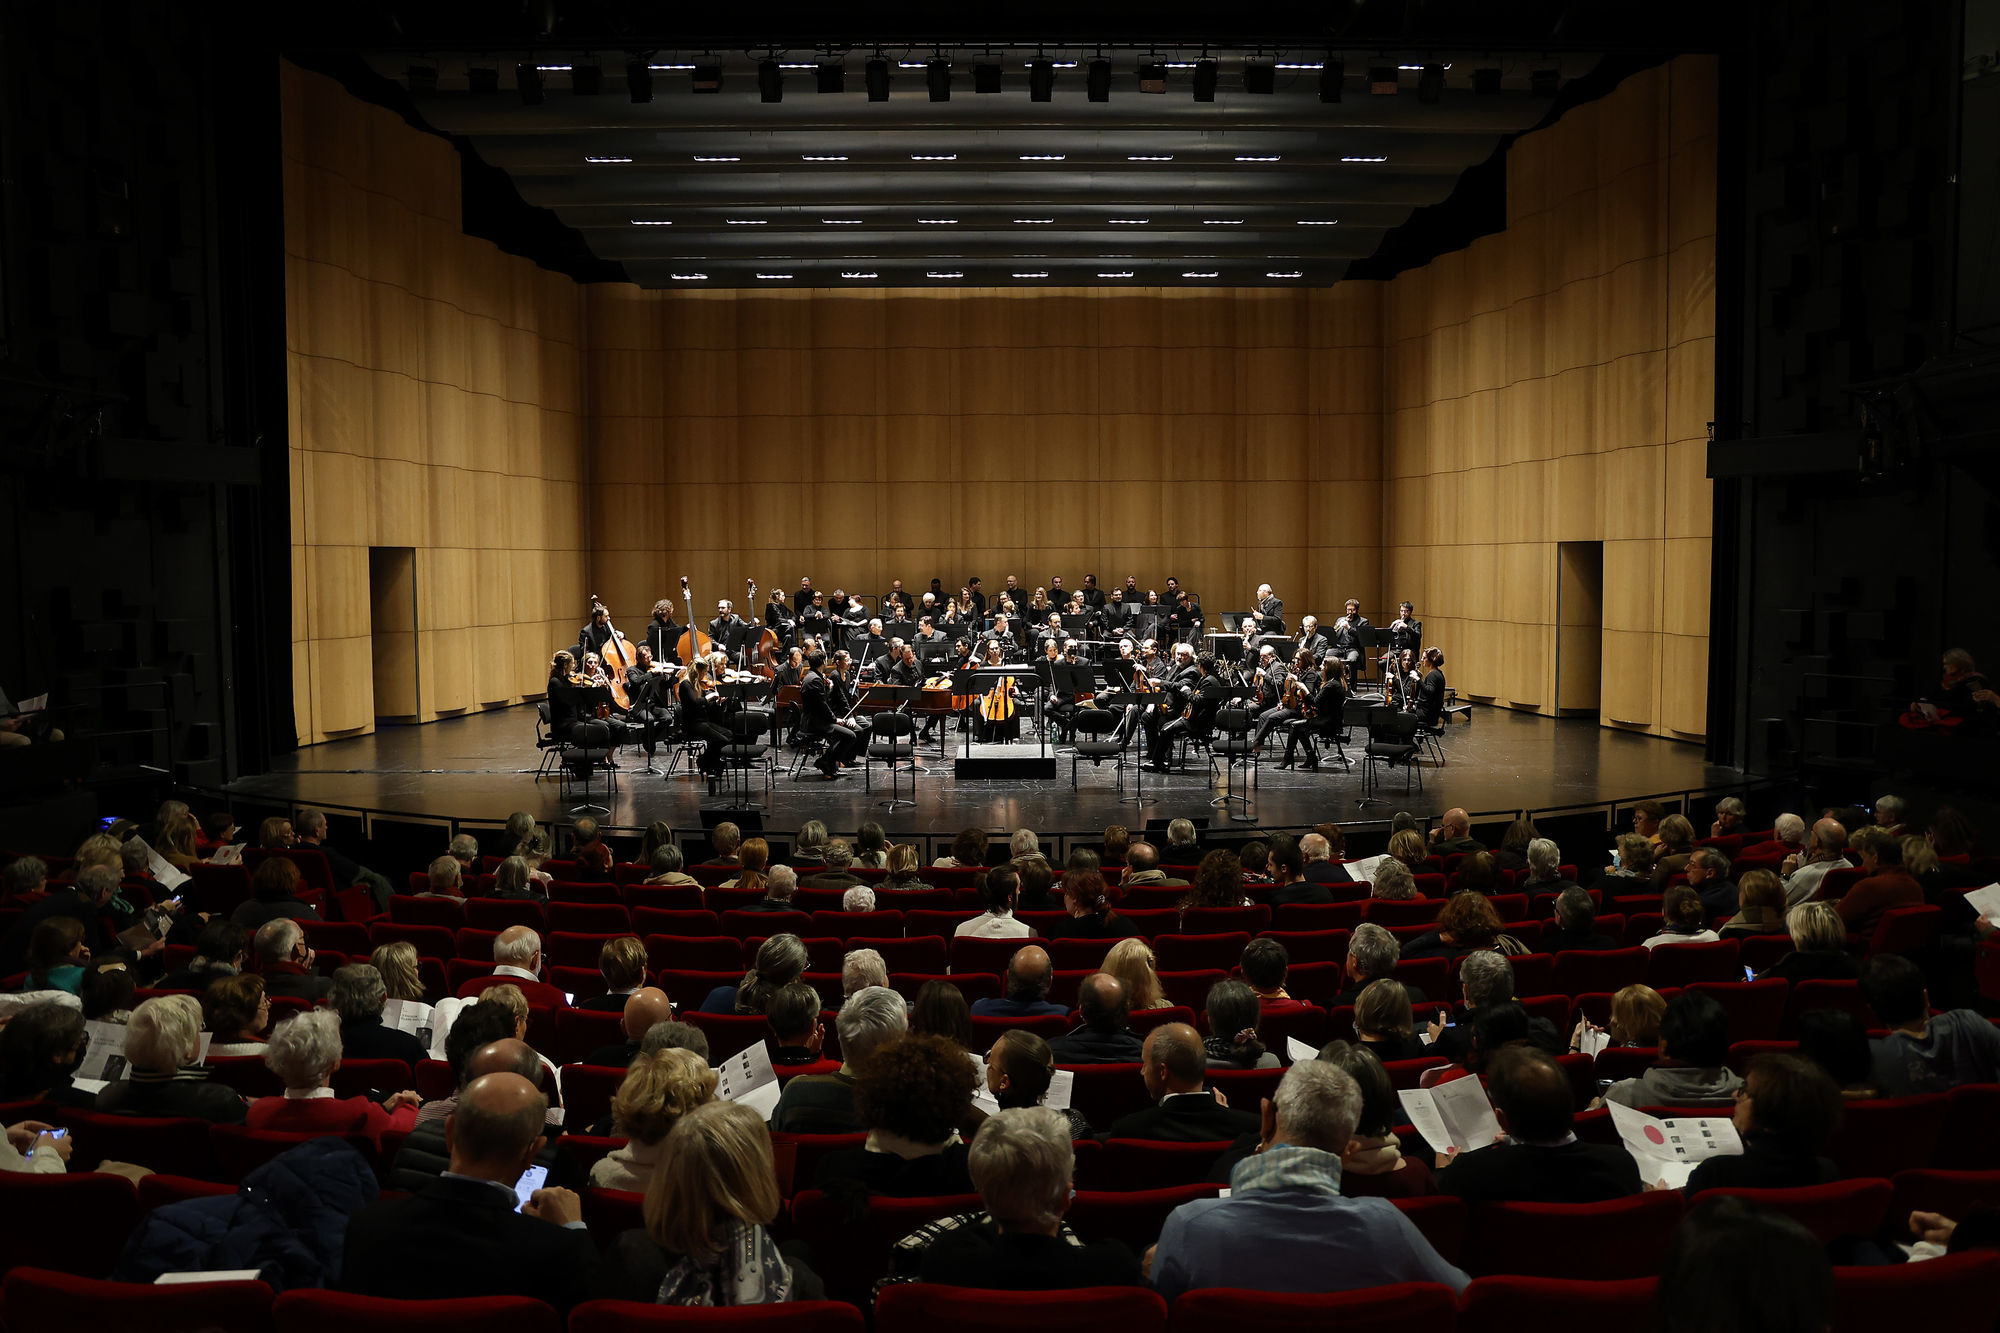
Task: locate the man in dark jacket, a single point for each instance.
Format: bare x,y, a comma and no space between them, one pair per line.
286,962
84,900
1103,1038
460,1235
645,1007
358,996
346,870
1175,1067
426,1153
1542,1160
273,896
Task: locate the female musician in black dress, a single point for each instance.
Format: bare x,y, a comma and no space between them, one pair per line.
701,716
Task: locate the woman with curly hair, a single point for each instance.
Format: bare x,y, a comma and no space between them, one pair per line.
658,1090
1218,883
968,851
911,1097
1468,924
1089,905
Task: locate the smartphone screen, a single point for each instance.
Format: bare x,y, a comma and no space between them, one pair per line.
1749,972
530,1181
57,1133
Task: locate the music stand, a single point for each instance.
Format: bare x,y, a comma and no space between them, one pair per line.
1224,647
899,738
743,693
1235,695
1118,701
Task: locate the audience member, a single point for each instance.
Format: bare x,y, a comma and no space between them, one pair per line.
1174,1064
1453,835
1468,924
1575,923
1288,869
1887,884
872,1020
643,1008
1019,1069
798,1036
1024,1166
1828,852
940,1010
911,1097
1631,868
446,879
515,882
1265,965
1673,846
1029,976
162,1046
1373,1163
1924,1052
1372,954
753,855
1407,847
1512,854
1234,1011
1393,882
668,866
1684,920
1321,852
1785,1113
1103,1038
1132,962
1037,879
1819,947
1541,1159
358,997
1837,1042
1708,875
1544,869
658,1090
1487,980
304,1052
236,1012
1733,1267
839,856
40,1049
860,969
400,968
56,955
709,1204
781,960
968,851
460,1235
1693,1066
1286,1225
221,950
871,846
1183,848
1218,882
622,963
1760,907
1636,1011
809,849
997,922
517,960
1142,869
1088,903
83,901
860,898
1728,817
1384,1022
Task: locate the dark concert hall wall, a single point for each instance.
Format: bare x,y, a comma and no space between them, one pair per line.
435,406
1224,437
1553,383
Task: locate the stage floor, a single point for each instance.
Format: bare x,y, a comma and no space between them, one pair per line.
480,767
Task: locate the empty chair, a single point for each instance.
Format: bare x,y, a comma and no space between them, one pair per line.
73,1223
1953,1193
1956,1291
1132,1165
1683,964
1842,1208
1756,1009
41,1301
852,1255
1187,953
1620,1238
1881,1135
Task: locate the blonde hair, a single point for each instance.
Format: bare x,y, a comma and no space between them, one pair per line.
101,849
902,861
715,1169
659,1089
1133,963
1816,928
1636,1012
397,962
508,997
1408,847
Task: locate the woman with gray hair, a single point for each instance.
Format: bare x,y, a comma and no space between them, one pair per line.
359,995
304,1052
1544,869
162,1048
1393,880
514,880
1023,1166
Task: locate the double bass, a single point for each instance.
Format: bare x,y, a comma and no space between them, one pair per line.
616,655
693,643
769,653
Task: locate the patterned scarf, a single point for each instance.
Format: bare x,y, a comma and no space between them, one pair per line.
747,1271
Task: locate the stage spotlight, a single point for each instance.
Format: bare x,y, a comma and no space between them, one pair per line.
1041,80
1383,80
482,82
770,83
830,78
985,78
1260,77
1331,76
707,78
1152,77
1430,84
1544,82
639,80
528,80
586,80
1204,80
876,75
1486,82
937,76
423,80
1097,81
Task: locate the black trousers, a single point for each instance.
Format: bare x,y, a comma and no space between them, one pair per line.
842,745
711,757
1308,731
1270,720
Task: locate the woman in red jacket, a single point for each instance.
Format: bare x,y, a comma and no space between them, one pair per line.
304,1052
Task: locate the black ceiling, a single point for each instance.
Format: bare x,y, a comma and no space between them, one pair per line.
754,185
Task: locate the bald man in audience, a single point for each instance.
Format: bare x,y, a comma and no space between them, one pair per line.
460,1235
1029,976
517,958
1825,853
1185,1110
1453,835
1142,868
645,1007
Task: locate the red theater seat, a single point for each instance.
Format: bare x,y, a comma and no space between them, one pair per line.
1407,1307
41,1301
309,1311
641,1317
920,1307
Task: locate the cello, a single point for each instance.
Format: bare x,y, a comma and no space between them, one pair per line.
616,655
693,643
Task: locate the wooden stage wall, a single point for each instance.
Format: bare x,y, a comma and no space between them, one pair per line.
529,437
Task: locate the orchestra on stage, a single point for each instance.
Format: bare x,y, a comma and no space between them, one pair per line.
815,668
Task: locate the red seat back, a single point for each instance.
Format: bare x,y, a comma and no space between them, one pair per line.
1956,1291
852,1255
1313,946
1319,916
922,1307
1621,1238
587,1092
664,898
1581,971
971,953
1215,920
847,925
312,1311
745,924
926,954
1498,1304
1879,1136
1756,1009
1144,1164
1843,1208
1189,952
1391,912
500,913
1071,955
1906,930
1191,988
645,1317
1827,995
408,911
581,1031
177,1146
39,1299
1105,1093
75,1223
1684,964
1407,1307
728,1033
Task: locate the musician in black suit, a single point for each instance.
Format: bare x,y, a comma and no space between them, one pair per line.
1093,596
1313,639
1198,715
779,617
1302,683
1270,609
1406,631
870,646
897,597
726,623
1175,1065
1003,634
460,1235
978,597
595,634
1324,719
1050,633
1268,675
663,636
803,598
817,704
1350,639
1430,693
899,666
928,632
814,621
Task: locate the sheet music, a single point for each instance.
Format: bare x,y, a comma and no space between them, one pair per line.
1670,1150
748,1077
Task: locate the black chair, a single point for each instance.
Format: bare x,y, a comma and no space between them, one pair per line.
685,746
1392,740
1232,746
806,746
1426,735
747,750
547,743
892,739
588,750
1092,726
